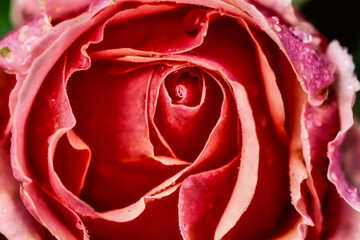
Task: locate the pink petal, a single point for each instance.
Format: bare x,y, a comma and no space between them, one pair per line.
283,8
315,72
343,222
316,132
341,150
15,221
23,11
19,43
62,222
344,166
42,58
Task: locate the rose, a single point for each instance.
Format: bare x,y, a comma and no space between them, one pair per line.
193,120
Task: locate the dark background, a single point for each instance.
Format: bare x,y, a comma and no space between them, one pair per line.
335,19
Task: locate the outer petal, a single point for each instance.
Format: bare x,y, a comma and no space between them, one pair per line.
23,11
15,221
16,46
341,151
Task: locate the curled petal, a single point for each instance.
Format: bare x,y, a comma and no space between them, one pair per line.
246,180
341,151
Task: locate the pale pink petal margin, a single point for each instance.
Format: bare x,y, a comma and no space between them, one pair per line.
346,86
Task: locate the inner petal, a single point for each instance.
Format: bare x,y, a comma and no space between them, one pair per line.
188,107
184,88
111,118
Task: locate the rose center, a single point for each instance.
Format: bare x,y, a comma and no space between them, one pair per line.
184,88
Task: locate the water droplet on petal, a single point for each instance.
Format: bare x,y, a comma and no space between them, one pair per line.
52,103
79,225
275,20
302,33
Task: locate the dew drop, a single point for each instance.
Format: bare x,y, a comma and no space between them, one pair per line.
79,225
52,103
351,190
302,33
333,176
275,20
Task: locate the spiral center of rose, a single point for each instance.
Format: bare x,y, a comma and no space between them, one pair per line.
184,89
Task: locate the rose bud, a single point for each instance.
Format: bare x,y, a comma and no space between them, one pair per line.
179,120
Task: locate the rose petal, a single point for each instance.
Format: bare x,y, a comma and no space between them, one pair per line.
344,167
295,99
15,221
186,129
338,150
282,7
315,72
72,154
274,99
7,82
158,221
50,213
146,31
247,176
262,220
200,207
17,45
114,133
23,11
343,222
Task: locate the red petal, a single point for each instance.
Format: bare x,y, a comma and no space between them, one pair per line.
158,221
200,206
71,162
62,222
151,28
185,128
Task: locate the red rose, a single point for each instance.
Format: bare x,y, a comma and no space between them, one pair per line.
179,120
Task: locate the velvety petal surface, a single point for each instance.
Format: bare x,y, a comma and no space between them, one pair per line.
186,128
111,119
158,221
